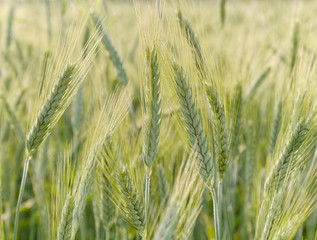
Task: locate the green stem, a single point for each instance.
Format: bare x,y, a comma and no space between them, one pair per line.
147,198
107,234
25,172
216,213
220,208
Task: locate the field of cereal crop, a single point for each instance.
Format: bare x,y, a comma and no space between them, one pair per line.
158,119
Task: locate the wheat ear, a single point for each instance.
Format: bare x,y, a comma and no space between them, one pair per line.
65,224
153,109
283,164
235,118
258,81
193,123
192,40
276,126
115,59
222,10
295,41
152,120
113,53
220,130
131,205
51,109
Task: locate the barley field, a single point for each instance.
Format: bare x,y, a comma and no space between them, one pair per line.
158,120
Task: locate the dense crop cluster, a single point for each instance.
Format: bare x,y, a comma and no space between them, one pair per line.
158,120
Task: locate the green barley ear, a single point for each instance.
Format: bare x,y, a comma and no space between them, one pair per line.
295,40
153,108
52,109
167,226
250,157
83,188
106,121
162,183
114,56
45,63
54,104
193,124
276,126
9,27
131,205
108,209
256,84
284,162
222,10
66,221
220,130
193,42
235,118
184,204
78,109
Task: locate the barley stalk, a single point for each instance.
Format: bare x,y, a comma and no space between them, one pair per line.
152,121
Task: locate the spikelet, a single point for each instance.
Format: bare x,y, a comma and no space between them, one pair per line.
220,130
284,164
276,126
113,54
54,100
112,113
131,205
295,40
222,10
235,118
9,27
184,204
162,183
52,109
45,63
192,123
250,158
65,225
168,224
115,59
107,210
82,191
193,43
153,109
258,82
